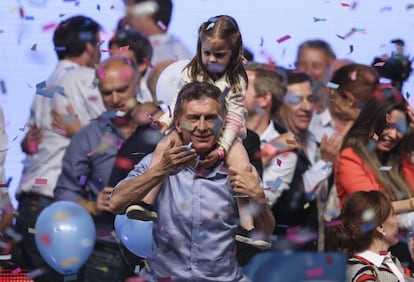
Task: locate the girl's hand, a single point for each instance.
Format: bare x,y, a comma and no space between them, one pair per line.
210,160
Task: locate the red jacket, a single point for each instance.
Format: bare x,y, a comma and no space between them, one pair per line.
352,175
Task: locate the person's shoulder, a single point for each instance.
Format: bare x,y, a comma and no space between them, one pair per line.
348,152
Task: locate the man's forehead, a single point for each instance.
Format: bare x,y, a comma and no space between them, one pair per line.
301,88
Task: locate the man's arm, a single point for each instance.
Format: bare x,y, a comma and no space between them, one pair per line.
142,179
248,183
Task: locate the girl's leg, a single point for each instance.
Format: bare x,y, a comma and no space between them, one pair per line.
237,157
144,210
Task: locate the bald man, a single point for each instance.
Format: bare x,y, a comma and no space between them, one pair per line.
88,162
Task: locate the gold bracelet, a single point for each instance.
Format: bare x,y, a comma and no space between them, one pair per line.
412,204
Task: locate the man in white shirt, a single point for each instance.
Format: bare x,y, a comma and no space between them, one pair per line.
71,94
264,97
297,208
152,18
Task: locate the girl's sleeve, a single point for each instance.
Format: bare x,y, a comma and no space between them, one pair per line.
235,119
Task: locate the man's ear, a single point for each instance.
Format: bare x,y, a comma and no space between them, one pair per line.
142,68
89,48
178,126
265,100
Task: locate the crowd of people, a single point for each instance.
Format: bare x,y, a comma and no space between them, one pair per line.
248,158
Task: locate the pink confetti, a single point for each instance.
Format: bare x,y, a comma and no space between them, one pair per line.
283,38
333,223
49,26
161,25
106,51
41,181
315,272
353,75
279,162
345,5
59,131
16,271
379,64
32,146
124,49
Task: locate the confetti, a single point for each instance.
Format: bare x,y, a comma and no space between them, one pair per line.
315,272
49,26
29,18
21,12
333,223
261,41
345,5
102,268
332,85
283,38
98,7
278,162
82,180
353,75
215,67
67,278
32,230
35,273
59,131
386,8
368,215
291,99
259,110
318,20
224,93
410,6
379,64
274,185
161,25
85,36
16,271
385,168
351,49
3,87
367,227
59,48
34,47
124,49
41,181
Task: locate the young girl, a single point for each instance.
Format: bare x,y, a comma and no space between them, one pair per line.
219,61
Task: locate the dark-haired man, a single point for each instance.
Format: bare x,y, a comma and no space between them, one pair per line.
193,235
69,89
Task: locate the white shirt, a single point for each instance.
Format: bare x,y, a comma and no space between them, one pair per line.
165,47
281,166
320,169
378,259
321,124
84,96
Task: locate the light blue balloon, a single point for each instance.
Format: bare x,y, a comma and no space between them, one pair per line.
65,236
135,235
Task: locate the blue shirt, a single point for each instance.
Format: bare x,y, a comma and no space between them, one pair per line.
193,236
86,168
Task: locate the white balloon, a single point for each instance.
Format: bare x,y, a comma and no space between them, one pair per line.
167,84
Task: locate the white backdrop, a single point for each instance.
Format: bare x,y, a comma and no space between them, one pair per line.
262,22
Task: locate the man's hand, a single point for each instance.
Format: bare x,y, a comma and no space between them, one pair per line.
69,126
103,199
330,147
33,138
176,157
247,182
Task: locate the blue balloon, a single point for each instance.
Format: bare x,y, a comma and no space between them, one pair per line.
135,235
65,236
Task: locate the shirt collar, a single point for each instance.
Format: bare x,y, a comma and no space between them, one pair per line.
270,132
375,258
325,117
